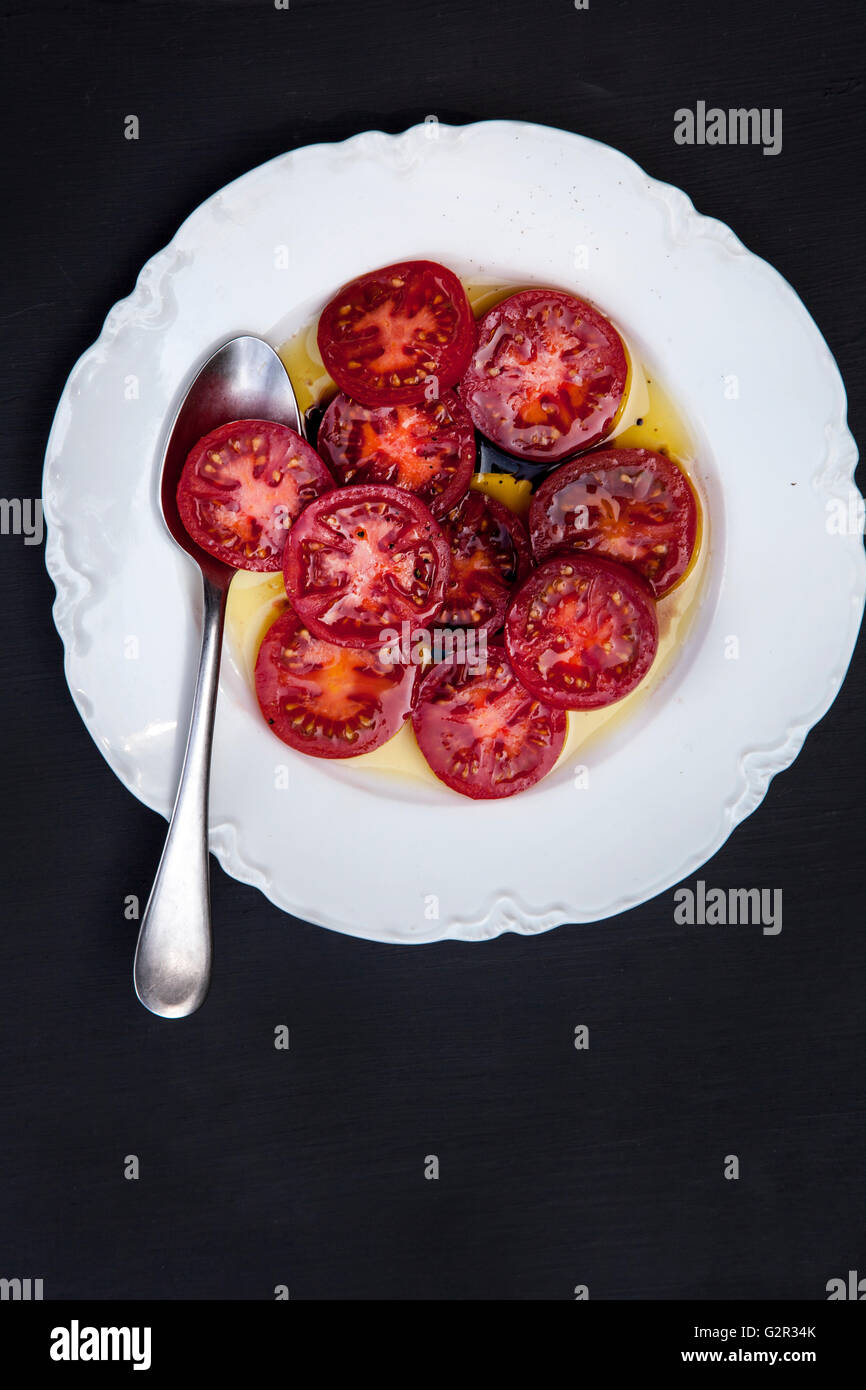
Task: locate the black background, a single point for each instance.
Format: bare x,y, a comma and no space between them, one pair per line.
305,1168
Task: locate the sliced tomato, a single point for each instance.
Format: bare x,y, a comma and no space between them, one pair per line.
581,632
631,505
547,377
489,554
388,333
329,701
427,448
481,732
365,559
242,487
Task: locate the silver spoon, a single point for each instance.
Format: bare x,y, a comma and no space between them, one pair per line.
244,379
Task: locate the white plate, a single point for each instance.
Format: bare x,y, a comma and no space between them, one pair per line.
505,200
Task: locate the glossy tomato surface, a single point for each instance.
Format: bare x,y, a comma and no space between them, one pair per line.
361,560
630,505
329,701
428,448
482,733
547,377
581,632
385,336
242,487
489,554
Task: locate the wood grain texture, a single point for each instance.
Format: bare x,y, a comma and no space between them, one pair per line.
558,1167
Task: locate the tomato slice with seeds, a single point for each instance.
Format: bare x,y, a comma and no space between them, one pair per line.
547,377
489,554
242,487
386,334
329,701
427,448
581,631
482,733
631,505
364,559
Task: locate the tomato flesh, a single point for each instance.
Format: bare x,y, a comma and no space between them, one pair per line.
489,554
481,732
329,701
547,377
630,505
398,335
364,559
242,487
581,632
428,448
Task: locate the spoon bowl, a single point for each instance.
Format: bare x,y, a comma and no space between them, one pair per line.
243,380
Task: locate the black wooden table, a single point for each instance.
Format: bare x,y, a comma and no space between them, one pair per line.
305,1168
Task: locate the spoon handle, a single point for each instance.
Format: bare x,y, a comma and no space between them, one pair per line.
173,957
